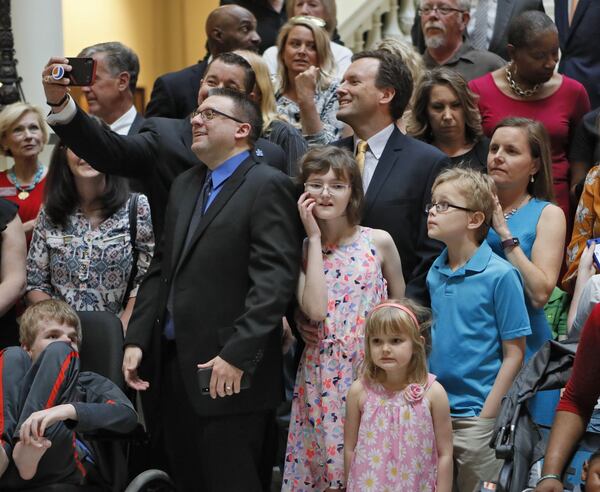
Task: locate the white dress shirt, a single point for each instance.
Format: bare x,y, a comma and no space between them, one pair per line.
376,145
123,124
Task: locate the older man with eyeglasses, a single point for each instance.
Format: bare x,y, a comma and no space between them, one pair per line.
489,25
444,24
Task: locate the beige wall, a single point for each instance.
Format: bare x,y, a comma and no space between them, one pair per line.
166,34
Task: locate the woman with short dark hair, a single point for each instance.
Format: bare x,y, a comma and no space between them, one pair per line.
529,87
82,250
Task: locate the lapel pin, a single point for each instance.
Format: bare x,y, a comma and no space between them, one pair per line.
259,153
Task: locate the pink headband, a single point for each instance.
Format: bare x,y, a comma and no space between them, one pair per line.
401,307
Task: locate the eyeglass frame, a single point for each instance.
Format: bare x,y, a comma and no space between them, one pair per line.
197,112
446,205
328,186
437,8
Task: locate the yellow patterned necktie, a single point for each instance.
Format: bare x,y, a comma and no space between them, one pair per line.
361,152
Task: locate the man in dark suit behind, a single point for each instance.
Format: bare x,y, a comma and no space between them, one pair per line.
578,22
214,296
228,28
398,170
161,151
498,13
111,96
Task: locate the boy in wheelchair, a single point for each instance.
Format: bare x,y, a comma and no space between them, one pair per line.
46,404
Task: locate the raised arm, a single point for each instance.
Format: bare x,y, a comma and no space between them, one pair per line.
540,274
312,287
106,151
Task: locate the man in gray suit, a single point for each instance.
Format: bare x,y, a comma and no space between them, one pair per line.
489,26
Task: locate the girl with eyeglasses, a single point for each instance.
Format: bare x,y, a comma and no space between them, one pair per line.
347,270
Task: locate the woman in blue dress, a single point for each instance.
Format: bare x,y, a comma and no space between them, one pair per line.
527,229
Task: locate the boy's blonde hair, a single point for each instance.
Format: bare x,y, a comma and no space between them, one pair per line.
390,320
477,189
44,311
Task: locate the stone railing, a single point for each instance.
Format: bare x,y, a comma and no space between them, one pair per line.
361,23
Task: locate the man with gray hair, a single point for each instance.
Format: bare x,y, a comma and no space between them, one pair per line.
444,28
489,28
110,97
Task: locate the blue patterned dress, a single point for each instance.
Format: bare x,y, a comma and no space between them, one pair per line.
89,267
315,449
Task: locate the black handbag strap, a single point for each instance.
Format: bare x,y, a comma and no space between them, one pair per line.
133,202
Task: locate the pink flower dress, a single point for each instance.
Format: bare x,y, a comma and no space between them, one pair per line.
315,449
396,449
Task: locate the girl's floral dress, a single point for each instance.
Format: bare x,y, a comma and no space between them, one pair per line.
315,449
396,449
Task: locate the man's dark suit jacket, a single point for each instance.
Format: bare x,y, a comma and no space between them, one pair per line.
506,11
159,153
137,124
175,94
395,202
230,287
580,57
135,184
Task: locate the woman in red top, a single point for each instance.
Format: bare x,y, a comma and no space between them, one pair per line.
529,87
23,134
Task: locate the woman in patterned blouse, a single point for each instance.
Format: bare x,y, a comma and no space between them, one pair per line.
81,249
307,93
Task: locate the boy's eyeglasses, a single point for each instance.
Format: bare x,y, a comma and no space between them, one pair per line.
440,9
315,188
209,114
441,207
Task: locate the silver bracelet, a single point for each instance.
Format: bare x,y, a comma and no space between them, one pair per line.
554,476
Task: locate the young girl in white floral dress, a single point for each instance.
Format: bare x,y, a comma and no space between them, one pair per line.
347,270
398,432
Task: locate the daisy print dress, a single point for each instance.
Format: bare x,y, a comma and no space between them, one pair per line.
396,449
315,449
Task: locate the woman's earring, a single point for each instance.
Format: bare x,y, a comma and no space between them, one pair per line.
531,179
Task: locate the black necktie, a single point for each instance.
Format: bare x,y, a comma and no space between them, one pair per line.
200,208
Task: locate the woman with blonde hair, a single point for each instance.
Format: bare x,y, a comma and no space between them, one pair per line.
307,91
327,11
413,61
276,128
23,134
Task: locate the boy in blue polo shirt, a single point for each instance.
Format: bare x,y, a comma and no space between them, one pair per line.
479,319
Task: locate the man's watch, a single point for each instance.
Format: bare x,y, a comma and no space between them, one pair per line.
510,243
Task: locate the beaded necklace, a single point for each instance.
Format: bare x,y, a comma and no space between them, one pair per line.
513,211
24,190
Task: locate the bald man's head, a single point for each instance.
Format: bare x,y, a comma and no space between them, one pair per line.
230,28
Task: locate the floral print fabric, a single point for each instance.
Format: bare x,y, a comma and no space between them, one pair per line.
587,225
315,449
89,268
327,105
396,447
